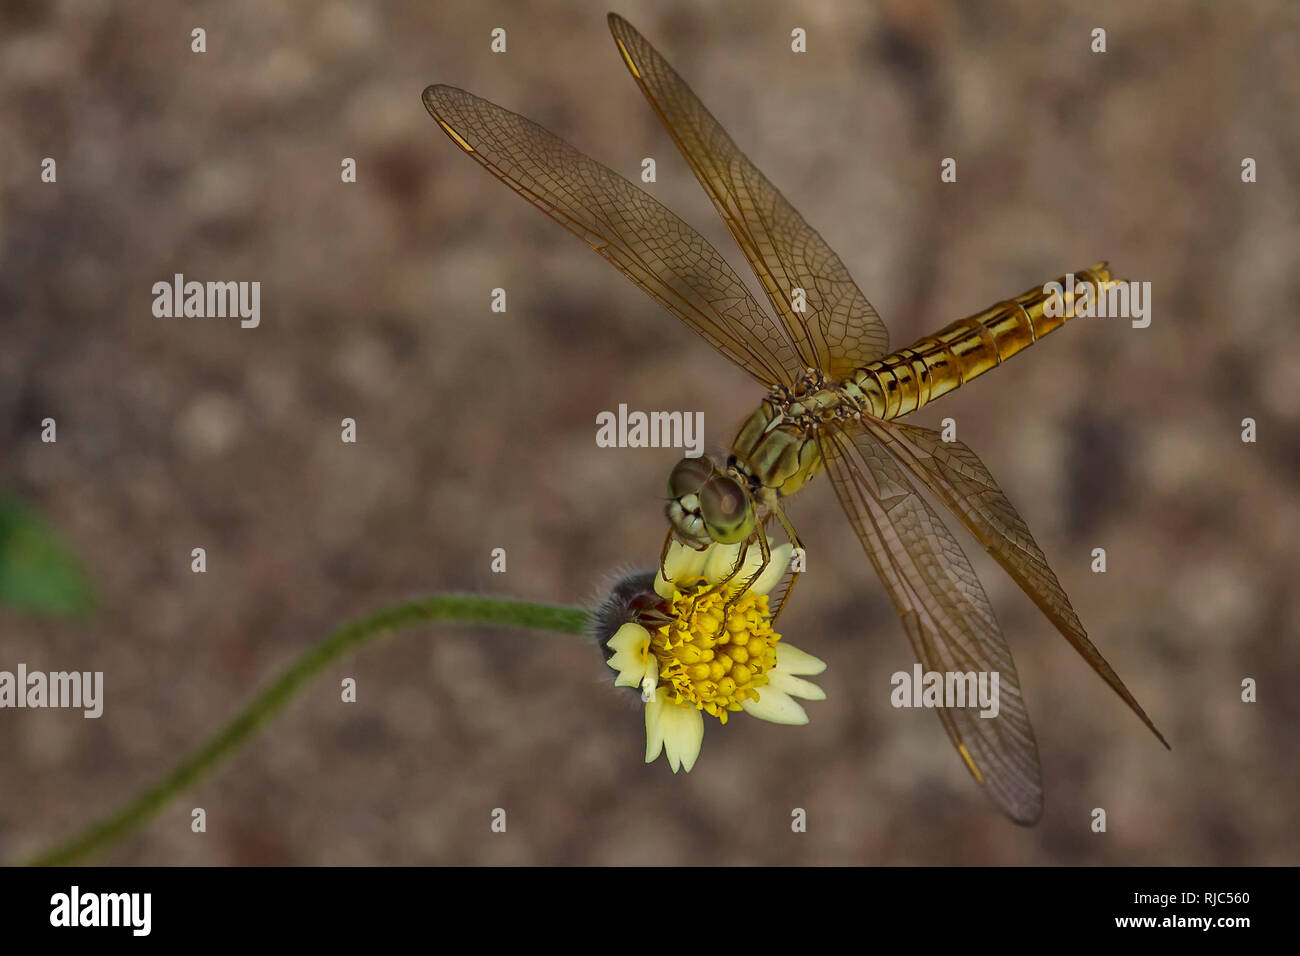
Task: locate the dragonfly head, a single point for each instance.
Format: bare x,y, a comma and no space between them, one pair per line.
707,505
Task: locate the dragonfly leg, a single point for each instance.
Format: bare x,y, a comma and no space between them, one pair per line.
663,554
663,568
719,585
798,546
758,572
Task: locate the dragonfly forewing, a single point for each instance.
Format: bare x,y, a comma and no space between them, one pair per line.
944,611
840,330
960,480
640,236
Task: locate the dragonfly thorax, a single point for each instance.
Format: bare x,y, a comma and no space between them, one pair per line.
776,448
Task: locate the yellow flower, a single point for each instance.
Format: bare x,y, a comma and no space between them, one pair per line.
689,661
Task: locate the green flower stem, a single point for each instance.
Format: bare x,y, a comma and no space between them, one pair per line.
199,763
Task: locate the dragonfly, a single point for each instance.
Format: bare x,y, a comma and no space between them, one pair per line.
834,395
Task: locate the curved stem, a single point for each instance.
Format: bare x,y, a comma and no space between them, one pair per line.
200,762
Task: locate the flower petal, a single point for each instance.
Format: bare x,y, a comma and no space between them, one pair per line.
775,570
791,660
629,637
630,659
654,738
795,686
684,563
721,559
627,675
776,706
683,733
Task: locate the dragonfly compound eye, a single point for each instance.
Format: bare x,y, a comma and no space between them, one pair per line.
726,510
689,475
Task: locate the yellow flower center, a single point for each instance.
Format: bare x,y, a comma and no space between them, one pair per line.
711,663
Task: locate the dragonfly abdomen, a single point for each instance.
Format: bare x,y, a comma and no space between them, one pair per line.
903,381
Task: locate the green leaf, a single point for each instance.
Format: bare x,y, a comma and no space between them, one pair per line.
38,571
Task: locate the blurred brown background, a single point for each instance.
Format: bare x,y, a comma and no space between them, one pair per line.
477,429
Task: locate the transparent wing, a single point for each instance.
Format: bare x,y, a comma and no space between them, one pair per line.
959,479
840,331
641,237
944,611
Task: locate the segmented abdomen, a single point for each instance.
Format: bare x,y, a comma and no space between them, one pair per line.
903,381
